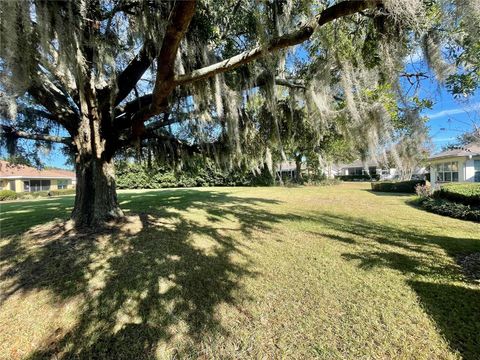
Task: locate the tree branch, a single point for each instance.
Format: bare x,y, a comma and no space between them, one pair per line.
10,132
55,102
27,111
127,80
143,102
334,12
182,14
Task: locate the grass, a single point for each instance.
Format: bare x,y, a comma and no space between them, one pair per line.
332,273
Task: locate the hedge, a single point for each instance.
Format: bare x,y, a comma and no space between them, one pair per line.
12,195
357,177
139,176
7,195
451,209
467,194
397,186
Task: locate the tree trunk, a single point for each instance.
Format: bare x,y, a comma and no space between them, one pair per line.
96,197
298,170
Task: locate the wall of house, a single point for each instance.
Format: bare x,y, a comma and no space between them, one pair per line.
469,172
54,184
462,171
19,185
470,168
5,184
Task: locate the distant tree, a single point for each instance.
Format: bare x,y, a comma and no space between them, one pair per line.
464,139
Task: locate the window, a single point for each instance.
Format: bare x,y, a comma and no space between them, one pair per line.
26,185
39,185
355,171
448,171
477,170
62,184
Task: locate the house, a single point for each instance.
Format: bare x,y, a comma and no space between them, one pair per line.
360,168
21,178
461,164
288,169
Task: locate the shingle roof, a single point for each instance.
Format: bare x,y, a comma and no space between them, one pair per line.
13,170
471,149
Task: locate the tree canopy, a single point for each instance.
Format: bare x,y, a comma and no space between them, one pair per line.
234,80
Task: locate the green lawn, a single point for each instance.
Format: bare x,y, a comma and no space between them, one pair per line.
332,273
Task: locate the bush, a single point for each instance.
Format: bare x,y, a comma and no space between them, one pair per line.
397,186
12,195
451,209
8,195
423,190
62,192
467,194
203,173
324,182
358,177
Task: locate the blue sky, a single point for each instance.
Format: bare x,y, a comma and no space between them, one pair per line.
449,116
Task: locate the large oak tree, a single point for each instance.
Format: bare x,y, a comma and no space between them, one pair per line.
100,76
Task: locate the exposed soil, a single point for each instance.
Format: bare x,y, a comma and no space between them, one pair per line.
470,265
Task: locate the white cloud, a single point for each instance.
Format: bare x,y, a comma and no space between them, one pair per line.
456,111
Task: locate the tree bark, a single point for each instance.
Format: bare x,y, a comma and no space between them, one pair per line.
96,197
298,170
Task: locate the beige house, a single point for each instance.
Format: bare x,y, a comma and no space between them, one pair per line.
21,178
457,165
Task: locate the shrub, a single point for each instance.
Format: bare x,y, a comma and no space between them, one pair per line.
397,186
205,173
451,209
324,182
8,195
62,192
423,190
358,177
467,194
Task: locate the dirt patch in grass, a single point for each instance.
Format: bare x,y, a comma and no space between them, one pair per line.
470,265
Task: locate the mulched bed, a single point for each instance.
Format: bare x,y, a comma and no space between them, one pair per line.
470,264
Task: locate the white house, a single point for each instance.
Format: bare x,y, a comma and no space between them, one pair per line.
371,168
288,169
457,165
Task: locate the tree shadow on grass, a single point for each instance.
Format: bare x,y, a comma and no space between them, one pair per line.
144,282
456,310
449,298
17,217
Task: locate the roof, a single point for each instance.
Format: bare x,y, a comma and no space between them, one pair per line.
12,171
471,149
289,166
358,164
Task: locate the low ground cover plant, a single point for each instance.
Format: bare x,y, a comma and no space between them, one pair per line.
240,273
450,208
460,201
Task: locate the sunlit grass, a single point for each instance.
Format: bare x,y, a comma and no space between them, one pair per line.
333,272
